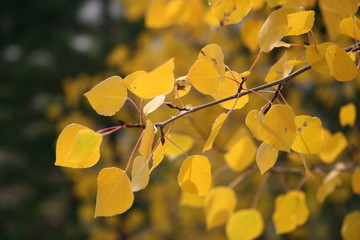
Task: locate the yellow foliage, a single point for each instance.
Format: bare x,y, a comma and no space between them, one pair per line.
280,69
350,26
249,32
219,121
315,55
139,174
183,143
266,157
230,11
300,22
355,181
246,224
147,140
192,200
350,229
347,115
334,144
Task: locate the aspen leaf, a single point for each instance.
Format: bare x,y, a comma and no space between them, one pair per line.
147,140
334,144
280,69
343,8
139,174
131,77
355,181
155,14
158,155
350,229
309,135
331,21
300,22
241,154
249,32
266,157
253,121
230,11
183,141
114,194
204,77
154,104
315,55
245,224
77,147
293,62
290,211
327,187
219,121
347,115
274,29
278,128
192,200
274,3
157,82
350,26
220,203
214,55
228,87
108,96
195,175
182,86
341,66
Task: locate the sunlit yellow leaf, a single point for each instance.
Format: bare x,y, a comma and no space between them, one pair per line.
350,229
204,77
228,87
158,155
293,62
309,135
334,144
192,200
274,29
327,187
245,224
220,203
300,22
254,121
147,140
131,77
214,55
278,128
350,27
241,154
139,174
290,211
355,181
185,142
108,96
159,81
347,115
230,11
114,194
315,55
154,104
280,69
77,147
266,157
195,175
343,8
341,66
219,121
249,33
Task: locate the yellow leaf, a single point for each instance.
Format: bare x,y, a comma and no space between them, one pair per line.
293,62
230,11
309,135
300,22
350,27
204,77
280,69
195,175
315,55
192,200
278,128
274,3
139,174
154,104
183,141
341,66
274,29
214,55
114,194
158,155
347,115
228,87
77,147
253,121
159,81
108,97
241,154
147,140
131,77
182,86
355,181
328,186
220,203
219,121
249,33
331,21
290,211
343,8
245,224
350,229
155,14
333,146
266,157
